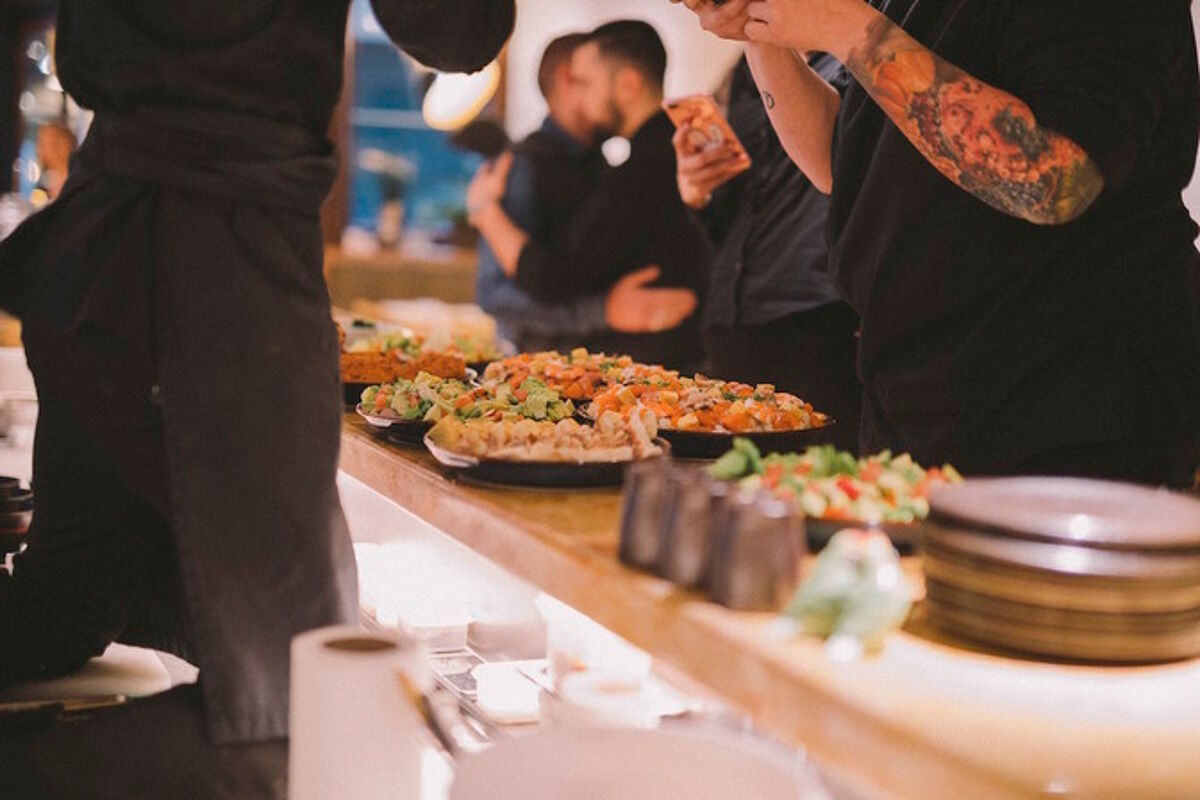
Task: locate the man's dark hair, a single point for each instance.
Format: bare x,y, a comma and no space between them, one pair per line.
635,44
557,53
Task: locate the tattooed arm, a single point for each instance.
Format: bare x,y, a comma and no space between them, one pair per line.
983,139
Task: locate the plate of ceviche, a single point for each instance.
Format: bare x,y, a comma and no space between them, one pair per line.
836,490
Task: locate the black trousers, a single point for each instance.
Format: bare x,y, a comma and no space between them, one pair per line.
101,566
810,354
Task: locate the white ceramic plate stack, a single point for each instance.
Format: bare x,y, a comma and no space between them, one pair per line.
1066,568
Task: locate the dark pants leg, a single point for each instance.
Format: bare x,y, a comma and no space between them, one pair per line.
100,563
810,354
156,749
101,566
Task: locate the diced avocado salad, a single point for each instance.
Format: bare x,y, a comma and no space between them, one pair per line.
425,397
531,400
827,483
429,398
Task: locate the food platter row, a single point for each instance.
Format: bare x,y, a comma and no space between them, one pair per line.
580,419
698,415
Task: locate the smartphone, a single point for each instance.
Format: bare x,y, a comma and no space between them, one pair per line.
709,128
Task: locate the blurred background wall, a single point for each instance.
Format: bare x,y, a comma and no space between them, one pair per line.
696,62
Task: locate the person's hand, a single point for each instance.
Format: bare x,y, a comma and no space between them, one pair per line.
727,20
632,307
830,26
487,187
700,172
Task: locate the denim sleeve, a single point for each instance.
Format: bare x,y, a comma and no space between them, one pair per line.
503,299
494,292
578,318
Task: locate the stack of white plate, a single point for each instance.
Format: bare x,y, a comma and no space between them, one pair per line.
1066,568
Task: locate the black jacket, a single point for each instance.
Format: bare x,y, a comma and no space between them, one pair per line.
634,219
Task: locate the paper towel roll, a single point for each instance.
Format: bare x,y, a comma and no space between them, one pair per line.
353,732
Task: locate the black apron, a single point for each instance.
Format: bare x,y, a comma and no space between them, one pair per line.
219,214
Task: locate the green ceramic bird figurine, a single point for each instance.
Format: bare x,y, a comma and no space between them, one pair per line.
856,589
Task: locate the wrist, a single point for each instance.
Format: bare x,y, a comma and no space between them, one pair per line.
852,30
480,212
593,314
764,52
697,200
612,310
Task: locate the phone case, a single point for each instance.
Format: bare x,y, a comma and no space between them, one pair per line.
709,128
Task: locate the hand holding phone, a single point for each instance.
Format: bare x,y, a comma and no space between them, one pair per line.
724,18
707,127
708,152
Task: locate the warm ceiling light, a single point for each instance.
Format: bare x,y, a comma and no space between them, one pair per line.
456,98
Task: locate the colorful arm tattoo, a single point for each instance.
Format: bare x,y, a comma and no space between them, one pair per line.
981,138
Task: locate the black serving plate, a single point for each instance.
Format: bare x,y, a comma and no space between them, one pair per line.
409,432
905,536
352,393
710,446
704,445
399,431
538,474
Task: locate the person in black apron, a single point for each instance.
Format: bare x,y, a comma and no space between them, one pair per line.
178,328
1006,217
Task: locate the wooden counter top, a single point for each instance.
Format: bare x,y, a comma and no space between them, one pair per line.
926,718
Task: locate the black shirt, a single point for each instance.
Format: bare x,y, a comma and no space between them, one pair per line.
280,59
768,223
552,176
564,174
634,219
985,339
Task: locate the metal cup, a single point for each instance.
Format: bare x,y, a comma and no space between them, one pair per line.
694,500
756,553
642,510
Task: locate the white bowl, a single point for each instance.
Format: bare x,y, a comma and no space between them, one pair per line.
600,764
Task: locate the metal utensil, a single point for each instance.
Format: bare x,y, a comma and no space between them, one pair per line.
430,713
